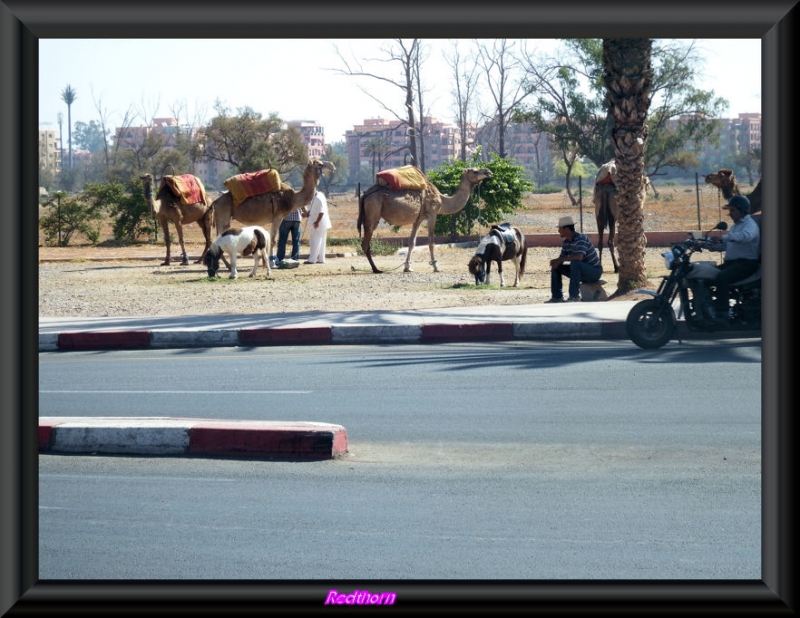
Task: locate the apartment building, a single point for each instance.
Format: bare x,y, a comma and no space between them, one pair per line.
312,134
381,144
49,150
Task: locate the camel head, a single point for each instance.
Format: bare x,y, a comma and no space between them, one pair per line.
722,179
319,166
476,176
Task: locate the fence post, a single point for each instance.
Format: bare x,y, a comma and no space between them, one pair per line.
697,189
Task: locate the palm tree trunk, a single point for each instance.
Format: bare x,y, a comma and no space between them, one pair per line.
628,78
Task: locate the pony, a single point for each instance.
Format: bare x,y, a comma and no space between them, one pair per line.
503,242
250,240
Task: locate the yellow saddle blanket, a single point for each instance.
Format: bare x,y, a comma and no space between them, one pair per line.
406,177
249,184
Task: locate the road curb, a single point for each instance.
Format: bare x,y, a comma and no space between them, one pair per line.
163,436
332,335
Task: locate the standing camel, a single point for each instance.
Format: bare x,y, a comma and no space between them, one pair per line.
166,207
269,209
725,181
606,210
403,206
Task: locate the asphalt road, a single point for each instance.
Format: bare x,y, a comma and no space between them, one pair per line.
489,461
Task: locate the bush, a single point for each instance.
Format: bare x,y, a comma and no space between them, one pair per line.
67,217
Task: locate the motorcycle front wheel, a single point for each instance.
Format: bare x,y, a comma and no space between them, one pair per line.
650,324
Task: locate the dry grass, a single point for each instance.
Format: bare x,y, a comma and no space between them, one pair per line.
675,209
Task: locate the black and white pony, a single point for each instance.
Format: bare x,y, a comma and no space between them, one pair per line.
503,242
251,240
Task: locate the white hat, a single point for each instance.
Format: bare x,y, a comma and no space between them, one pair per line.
565,221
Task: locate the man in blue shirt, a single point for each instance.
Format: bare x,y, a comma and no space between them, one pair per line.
578,261
742,247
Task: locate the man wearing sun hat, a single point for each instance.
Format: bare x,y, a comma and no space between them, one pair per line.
742,247
578,260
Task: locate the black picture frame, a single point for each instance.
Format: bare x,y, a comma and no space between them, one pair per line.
24,22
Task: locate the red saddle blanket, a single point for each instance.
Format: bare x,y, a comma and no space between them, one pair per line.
249,184
406,177
187,187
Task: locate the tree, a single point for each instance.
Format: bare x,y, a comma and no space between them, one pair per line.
249,143
465,77
572,100
90,136
67,217
123,201
506,89
496,197
628,78
408,55
68,95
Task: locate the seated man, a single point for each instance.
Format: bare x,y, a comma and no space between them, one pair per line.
583,267
742,247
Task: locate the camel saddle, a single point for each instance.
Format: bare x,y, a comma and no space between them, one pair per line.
607,174
249,184
402,178
505,231
187,187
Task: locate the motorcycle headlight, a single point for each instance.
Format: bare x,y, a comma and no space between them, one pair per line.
669,257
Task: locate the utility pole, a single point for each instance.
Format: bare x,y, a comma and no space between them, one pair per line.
60,140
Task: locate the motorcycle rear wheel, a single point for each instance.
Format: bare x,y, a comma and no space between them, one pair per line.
650,324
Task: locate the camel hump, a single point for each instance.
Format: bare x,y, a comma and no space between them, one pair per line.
607,174
403,178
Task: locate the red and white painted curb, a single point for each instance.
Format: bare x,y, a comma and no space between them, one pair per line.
191,437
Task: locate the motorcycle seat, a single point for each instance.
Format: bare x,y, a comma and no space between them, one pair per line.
754,278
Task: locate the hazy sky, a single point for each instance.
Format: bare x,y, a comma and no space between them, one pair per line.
291,77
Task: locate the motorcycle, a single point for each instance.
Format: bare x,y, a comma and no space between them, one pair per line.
651,323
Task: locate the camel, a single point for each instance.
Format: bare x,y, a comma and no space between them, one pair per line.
269,209
606,210
401,207
166,207
725,181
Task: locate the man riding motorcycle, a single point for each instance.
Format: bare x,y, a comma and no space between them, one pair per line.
742,247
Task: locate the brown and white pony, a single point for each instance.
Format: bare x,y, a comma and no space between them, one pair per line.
503,242
251,240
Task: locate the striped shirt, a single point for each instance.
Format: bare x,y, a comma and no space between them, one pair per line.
294,215
580,243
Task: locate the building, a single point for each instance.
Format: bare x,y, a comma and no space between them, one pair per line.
313,136
384,144
49,150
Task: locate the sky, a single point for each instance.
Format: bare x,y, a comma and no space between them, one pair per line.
295,78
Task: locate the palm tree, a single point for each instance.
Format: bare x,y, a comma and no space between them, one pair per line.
68,96
628,77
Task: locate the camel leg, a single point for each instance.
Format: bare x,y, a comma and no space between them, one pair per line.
167,240
431,245
611,249
366,249
184,257
412,242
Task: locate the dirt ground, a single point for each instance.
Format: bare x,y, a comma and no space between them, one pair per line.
83,280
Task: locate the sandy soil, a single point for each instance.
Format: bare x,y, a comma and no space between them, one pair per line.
88,281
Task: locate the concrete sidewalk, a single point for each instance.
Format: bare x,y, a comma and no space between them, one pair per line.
564,321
